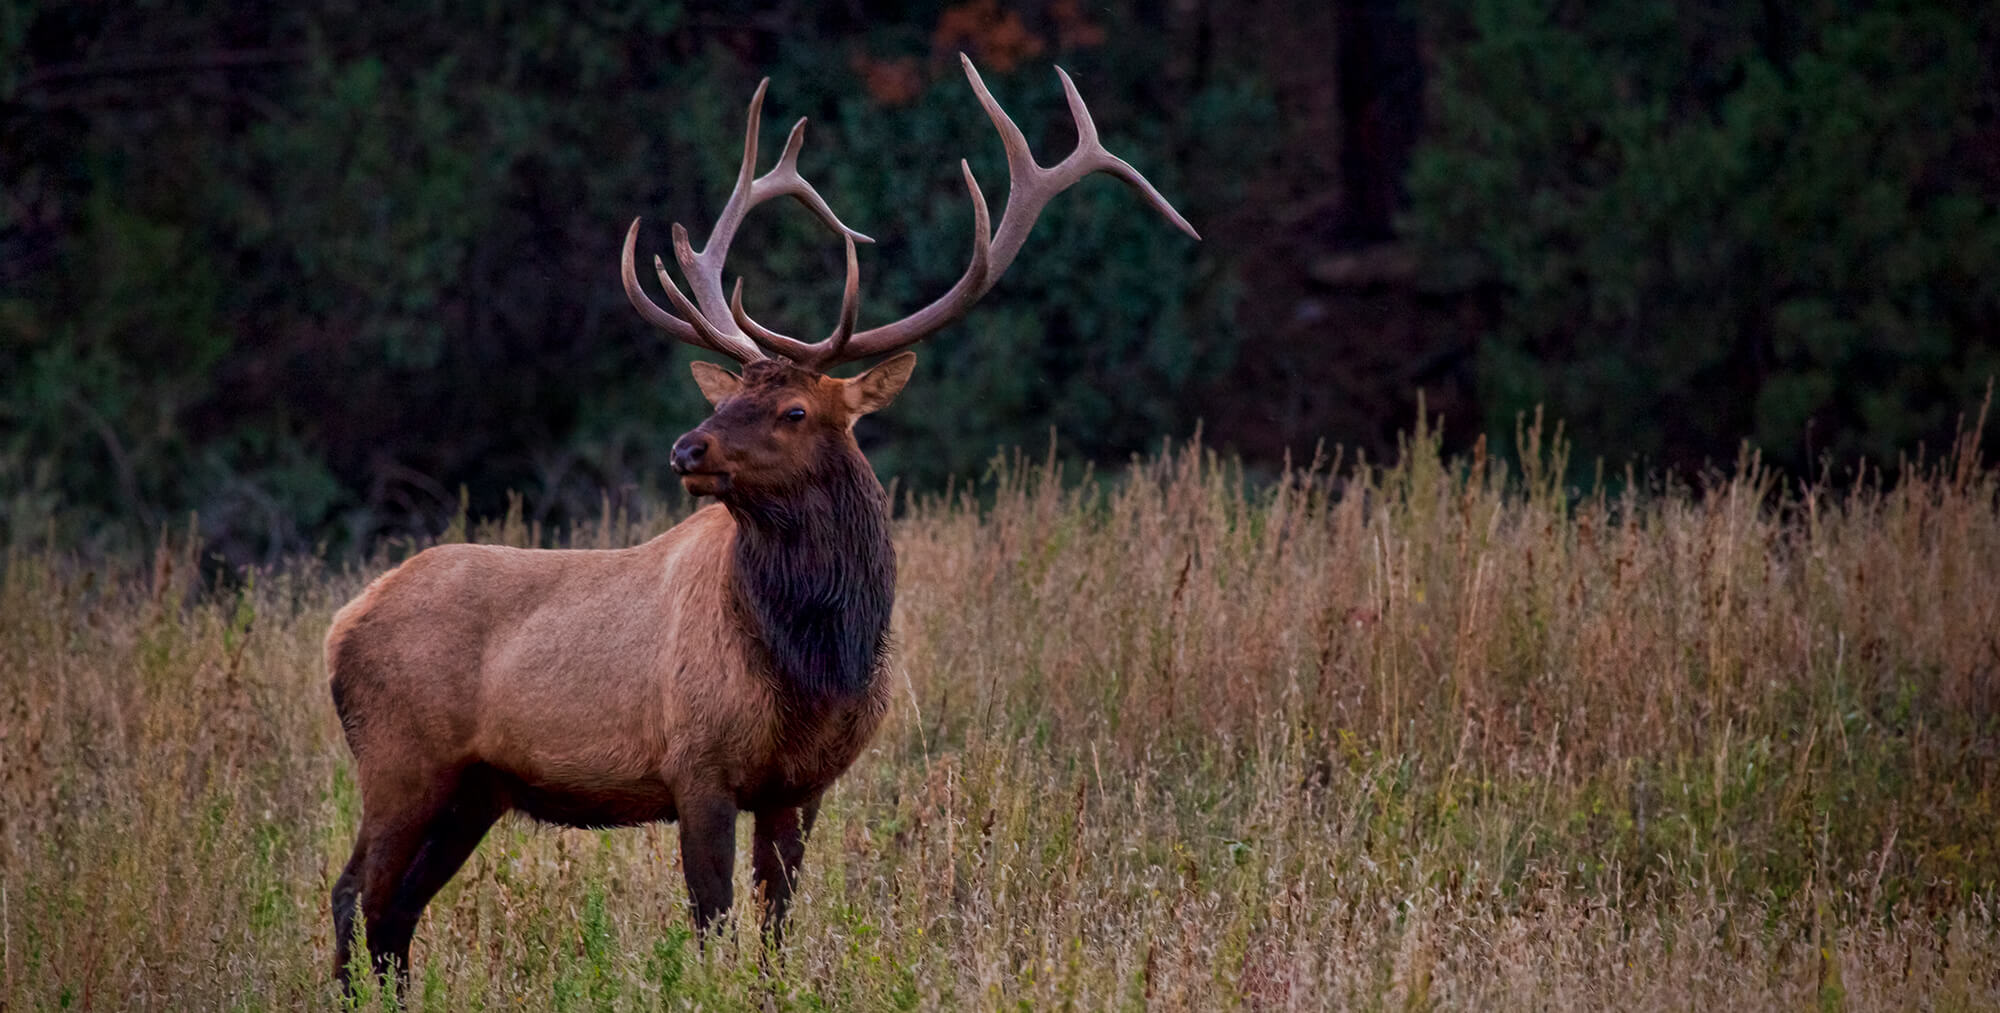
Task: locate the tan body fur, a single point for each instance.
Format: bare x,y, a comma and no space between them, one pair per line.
598,683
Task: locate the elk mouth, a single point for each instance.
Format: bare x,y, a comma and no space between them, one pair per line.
705,483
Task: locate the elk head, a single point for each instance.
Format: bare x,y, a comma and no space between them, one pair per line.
777,426
778,422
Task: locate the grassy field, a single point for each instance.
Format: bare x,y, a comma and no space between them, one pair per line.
1426,737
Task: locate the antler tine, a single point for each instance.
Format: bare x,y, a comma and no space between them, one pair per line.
1030,187
773,342
739,201
704,270
850,310
814,356
784,178
648,310
947,307
1093,152
1035,185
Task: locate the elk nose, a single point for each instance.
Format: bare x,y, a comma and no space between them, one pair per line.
688,452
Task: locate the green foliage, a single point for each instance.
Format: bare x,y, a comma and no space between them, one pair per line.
310,293
305,273
1716,221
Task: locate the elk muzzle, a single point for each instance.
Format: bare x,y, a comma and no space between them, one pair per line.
694,460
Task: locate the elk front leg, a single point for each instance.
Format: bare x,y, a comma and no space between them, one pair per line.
778,848
708,857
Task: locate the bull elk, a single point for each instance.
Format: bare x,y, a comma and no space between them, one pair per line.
733,663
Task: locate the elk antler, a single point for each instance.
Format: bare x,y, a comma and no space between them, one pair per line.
711,326
1030,188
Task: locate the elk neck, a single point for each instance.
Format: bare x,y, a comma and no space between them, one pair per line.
816,576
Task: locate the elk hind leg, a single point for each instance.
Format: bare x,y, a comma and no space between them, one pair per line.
345,890
412,855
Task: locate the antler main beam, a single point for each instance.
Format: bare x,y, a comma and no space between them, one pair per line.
726,327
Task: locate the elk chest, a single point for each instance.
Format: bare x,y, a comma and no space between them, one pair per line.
810,745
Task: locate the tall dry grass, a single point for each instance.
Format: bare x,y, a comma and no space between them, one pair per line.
1434,735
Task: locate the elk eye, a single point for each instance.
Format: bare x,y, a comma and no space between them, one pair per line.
795,414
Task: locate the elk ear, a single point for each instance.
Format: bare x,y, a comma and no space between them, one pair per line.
874,389
715,382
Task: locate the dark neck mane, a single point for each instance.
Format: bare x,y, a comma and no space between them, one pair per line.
816,574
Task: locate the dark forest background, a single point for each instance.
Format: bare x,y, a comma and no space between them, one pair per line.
309,270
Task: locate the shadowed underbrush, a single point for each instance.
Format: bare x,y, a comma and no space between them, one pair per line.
1431,735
